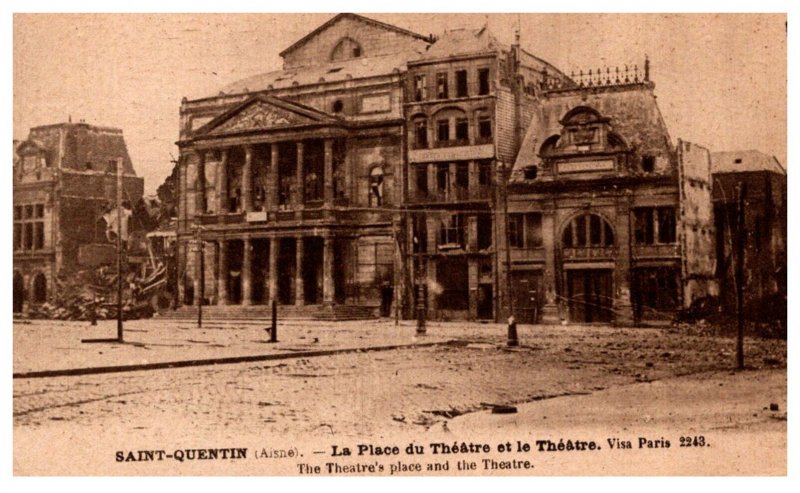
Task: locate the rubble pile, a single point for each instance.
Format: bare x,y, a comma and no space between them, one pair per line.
90,293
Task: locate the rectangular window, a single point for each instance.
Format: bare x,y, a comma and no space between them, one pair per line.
443,130
28,211
422,178
38,242
533,230
462,176
485,127
485,173
420,90
452,231
516,230
441,86
28,238
420,239
461,84
462,130
666,225
442,176
17,212
17,236
643,226
39,210
484,231
483,81
421,134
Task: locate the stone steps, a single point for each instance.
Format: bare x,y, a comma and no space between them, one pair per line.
264,312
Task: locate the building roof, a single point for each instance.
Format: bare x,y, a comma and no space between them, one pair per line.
744,161
354,68
460,42
361,18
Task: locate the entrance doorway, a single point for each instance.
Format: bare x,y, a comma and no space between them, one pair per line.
528,296
19,292
485,302
590,295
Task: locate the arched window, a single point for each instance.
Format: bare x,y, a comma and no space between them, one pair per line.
39,288
345,49
19,292
338,106
376,186
587,230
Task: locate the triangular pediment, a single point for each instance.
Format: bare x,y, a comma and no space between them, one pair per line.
264,113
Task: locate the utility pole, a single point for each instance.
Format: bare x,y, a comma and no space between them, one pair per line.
119,250
741,237
513,338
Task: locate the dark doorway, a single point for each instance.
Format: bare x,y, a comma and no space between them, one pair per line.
387,292
343,270
590,295
260,270
39,288
235,254
528,296
19,292
286,270
312,270
655,293
485,302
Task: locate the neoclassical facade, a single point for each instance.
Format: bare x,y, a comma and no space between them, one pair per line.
289,179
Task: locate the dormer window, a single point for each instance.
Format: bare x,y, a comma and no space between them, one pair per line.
346,49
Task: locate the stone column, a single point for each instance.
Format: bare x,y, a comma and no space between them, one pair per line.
200,191
247,272
550,309
222,182
328,193
299,291
298,199
328,286
198,272
222,280
623,309
247,179
274,176
274,249
215,270
472,233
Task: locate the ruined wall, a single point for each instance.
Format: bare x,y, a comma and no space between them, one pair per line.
85,146
696,223
633,112
84,199
374,41
374,267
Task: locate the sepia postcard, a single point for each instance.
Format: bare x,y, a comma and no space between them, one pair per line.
346,244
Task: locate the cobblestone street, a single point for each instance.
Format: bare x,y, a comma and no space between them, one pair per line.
371,393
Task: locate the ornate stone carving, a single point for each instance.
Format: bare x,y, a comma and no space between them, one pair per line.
259,116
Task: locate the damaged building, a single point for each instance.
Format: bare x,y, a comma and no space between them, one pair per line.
289,179
608,222
63,181
763,180
380,168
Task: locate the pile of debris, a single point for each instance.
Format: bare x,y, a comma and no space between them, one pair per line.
92,293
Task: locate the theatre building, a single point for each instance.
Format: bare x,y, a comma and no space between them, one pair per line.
289,179
608,221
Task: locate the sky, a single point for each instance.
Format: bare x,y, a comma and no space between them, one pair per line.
720,78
